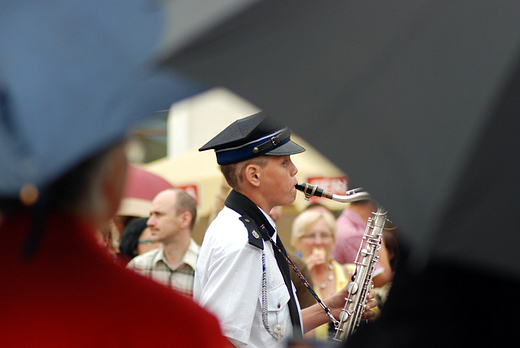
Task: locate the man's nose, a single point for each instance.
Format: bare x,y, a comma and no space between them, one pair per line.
294,169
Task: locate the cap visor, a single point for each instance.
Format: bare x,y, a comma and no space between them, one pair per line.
289,148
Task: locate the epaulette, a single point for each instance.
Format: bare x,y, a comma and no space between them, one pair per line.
254,234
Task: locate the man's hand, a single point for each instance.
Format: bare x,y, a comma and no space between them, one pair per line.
313,315
337,301
370,314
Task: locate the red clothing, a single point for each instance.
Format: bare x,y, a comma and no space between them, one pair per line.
71,294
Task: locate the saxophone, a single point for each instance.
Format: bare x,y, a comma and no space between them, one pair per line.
365,263
358,288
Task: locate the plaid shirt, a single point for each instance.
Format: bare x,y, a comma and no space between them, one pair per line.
153,264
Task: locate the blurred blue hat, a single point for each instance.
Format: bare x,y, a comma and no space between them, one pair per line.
74,76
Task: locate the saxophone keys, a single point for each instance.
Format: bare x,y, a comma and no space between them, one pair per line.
343,316
352,288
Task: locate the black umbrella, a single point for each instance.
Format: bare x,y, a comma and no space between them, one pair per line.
417,101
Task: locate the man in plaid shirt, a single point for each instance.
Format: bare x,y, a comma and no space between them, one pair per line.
171,221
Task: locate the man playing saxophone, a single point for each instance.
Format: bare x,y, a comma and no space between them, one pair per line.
242,274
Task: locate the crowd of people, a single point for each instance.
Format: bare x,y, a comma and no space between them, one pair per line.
77,76
260,293
221,276
76,275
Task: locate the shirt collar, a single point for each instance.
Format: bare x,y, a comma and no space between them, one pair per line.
271,222
190,257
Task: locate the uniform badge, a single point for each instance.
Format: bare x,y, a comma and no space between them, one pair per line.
254,237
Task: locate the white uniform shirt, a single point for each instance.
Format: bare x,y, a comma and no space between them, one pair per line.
228,282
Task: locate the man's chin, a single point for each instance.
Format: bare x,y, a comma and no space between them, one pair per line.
290,199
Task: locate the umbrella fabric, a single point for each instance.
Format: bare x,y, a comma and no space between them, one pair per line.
141,187
402,96
74,75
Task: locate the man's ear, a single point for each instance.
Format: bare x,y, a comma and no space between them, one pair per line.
186,218
252,174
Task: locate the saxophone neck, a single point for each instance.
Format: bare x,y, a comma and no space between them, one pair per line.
350,196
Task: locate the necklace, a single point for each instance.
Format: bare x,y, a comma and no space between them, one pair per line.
330,277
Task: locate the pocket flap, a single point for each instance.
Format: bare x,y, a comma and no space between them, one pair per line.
277,297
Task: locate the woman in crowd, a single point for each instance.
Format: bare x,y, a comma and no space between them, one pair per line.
314,235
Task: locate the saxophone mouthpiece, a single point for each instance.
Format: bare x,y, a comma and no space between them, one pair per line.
300,187
312,191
